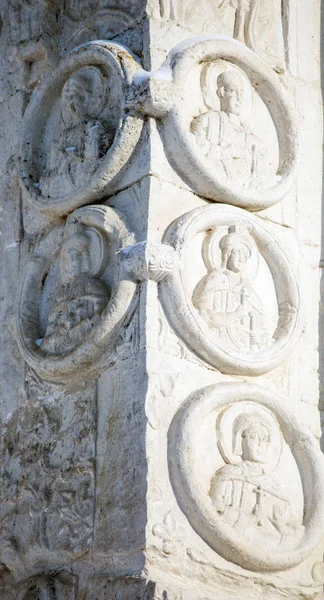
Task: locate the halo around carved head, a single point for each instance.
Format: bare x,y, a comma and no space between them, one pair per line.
91,80
236,419
202,143
224,315
263,520
87,301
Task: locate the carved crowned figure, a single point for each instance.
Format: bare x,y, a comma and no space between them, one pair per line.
80,138
248,495
223,136
226,299
80,299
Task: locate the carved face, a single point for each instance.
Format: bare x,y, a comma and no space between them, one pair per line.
255,443
74,261
238,256
75,97
231,95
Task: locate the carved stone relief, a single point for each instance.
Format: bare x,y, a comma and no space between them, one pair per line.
71,309
48,484
255,23
248,476
54,586
149,260
77,132
235,298
29,19
231,132
87,20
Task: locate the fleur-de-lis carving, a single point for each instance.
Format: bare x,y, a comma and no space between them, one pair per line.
169,532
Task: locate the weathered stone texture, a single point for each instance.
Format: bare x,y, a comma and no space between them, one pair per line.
161,181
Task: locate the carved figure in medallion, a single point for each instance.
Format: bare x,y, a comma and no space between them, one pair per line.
81,139
246,495
248,476
80,299
224,137
239,308
258,24
226,299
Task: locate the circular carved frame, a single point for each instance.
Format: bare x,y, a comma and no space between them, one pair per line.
122,66
186,320
86,358
194,502
186,156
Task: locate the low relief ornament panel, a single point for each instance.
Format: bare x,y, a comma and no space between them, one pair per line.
235,299
74,296
255,23
248,476
77,132
86,20
231,131
48,484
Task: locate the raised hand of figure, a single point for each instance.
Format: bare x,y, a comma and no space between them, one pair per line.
279,519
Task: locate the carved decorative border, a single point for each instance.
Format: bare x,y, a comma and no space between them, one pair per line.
185,318
84,359
196,505
186,156
103,181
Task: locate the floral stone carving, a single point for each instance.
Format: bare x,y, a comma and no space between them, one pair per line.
48,493
231,131
238,306
77,133
248,476
71,309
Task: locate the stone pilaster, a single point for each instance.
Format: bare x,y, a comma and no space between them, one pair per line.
161,234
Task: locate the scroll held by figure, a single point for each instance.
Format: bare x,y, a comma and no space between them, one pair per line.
226,299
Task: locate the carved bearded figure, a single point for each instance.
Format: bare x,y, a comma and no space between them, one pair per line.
246,495
226,300
80,140
222,135
80,300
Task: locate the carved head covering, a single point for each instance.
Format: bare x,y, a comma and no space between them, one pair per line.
243,422
237,236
